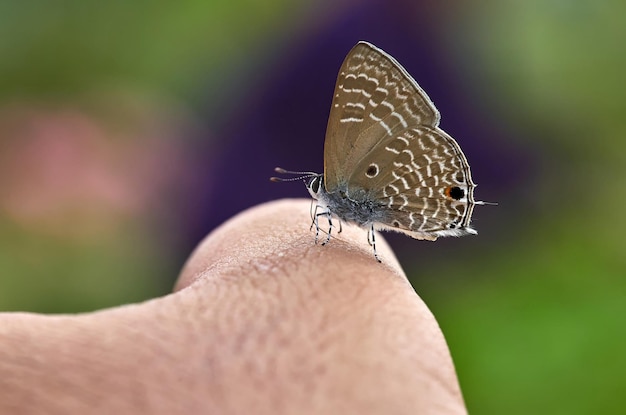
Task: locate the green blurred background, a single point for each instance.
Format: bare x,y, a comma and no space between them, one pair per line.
128,130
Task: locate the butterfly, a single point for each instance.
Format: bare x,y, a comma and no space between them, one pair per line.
387,164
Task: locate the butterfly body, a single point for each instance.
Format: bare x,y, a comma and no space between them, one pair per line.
352,205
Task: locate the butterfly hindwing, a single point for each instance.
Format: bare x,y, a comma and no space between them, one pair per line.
422,179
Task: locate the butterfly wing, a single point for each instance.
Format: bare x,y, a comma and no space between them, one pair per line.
374,100
423,181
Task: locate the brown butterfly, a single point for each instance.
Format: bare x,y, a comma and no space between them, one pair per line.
387,164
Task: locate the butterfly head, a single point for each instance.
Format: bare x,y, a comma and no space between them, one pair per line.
315,185
314,181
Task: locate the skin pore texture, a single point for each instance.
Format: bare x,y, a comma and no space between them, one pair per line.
262,320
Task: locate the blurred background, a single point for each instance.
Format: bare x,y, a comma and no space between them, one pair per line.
129,130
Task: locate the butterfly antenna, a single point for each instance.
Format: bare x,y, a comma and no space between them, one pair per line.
301,175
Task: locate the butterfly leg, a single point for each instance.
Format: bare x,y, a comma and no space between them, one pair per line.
313,212
371,239
330,227
316,223
315,215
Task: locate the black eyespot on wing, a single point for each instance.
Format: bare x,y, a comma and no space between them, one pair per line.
457,193
372,171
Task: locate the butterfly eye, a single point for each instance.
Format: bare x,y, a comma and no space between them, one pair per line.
315,184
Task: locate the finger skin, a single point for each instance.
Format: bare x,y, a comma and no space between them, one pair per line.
262,321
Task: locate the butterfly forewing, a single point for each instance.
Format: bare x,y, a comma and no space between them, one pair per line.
375,99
